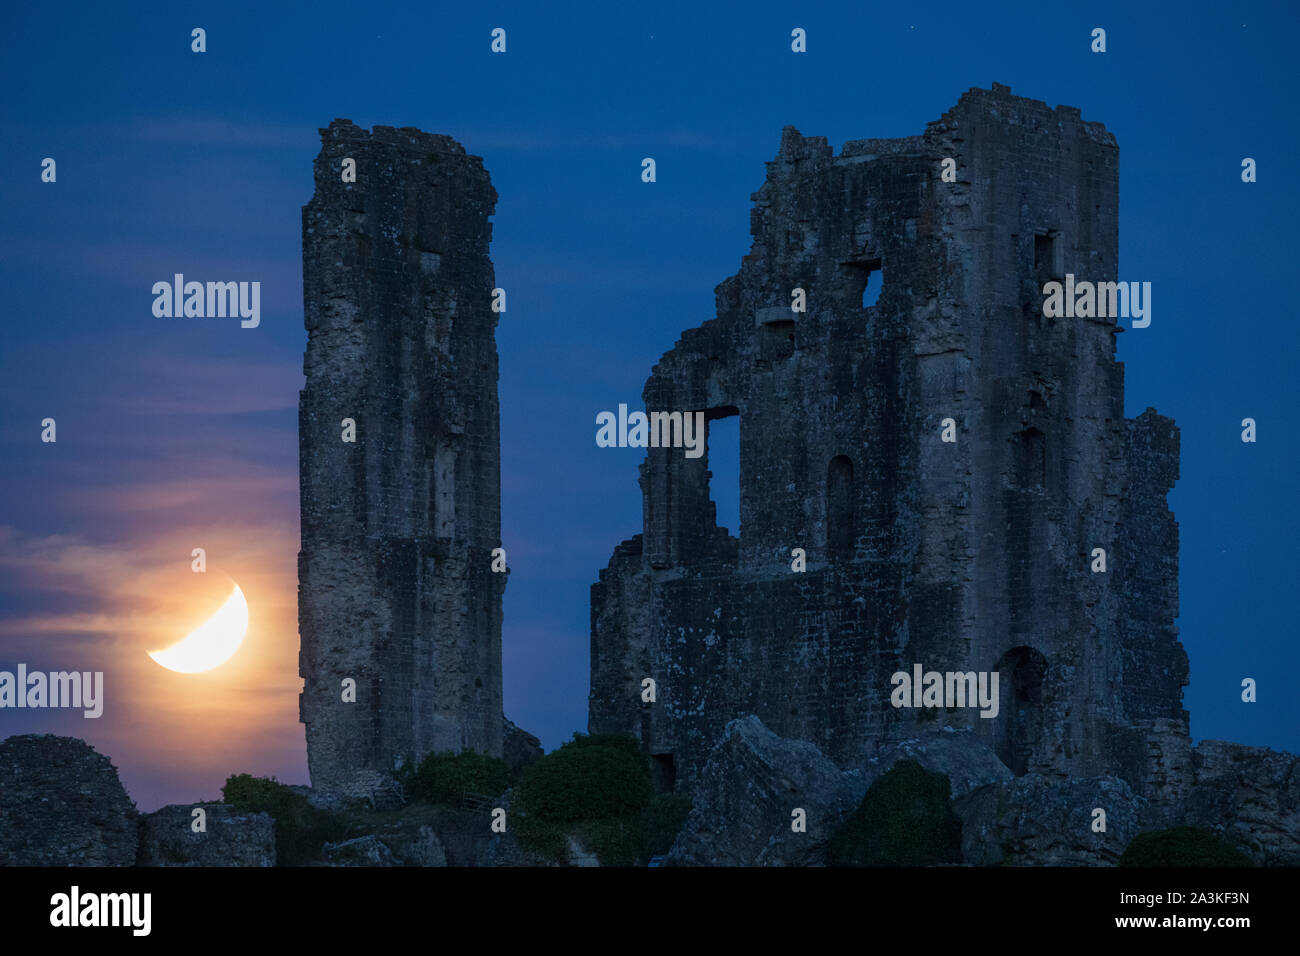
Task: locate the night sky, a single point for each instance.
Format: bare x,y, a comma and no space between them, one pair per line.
181,433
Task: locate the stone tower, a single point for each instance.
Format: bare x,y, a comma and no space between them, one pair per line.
396,590
965,556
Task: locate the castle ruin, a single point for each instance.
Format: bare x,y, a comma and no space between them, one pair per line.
399,518
968,555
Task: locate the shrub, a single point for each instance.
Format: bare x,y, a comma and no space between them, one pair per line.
583,781
1182,846
661,821
905,819
448,778
632,839
300,828
548,840
614,840
594,787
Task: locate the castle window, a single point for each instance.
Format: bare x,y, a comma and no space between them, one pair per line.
864,278
1022,672
840,524
665,772
723,450
1048,256
776,339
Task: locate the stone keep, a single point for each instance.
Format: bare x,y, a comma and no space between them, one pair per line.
395,586
965,556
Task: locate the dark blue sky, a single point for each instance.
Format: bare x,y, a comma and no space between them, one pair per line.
185,430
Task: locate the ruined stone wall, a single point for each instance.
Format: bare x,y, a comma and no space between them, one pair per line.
395,586
965,556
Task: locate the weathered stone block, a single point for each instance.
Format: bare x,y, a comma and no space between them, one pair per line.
61,804
1037,820
230,838
964,758
742,805
1250,796
362,851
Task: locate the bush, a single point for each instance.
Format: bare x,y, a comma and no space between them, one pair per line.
584,781
447,778
905,819
1182,846
548,840
661,821
300,828
632,839
614,840
594,787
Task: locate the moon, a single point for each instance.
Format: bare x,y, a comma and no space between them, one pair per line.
212,643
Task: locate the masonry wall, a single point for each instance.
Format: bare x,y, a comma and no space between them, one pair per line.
395,586
967,556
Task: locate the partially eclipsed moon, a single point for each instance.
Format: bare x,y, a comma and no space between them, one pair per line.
212,643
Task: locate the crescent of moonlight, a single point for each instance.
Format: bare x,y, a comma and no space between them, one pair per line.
212,643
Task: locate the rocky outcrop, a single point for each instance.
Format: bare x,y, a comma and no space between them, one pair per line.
400,844
1037,820
753,780
470,840
228,838
746,796
61,804
964,758
366,850
1250,796
423,835
579,855
415,847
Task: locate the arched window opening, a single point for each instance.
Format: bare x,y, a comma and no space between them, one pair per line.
1022,672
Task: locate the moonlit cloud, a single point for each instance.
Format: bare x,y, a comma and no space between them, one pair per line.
141,595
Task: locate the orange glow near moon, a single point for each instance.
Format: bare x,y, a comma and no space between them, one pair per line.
212,643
